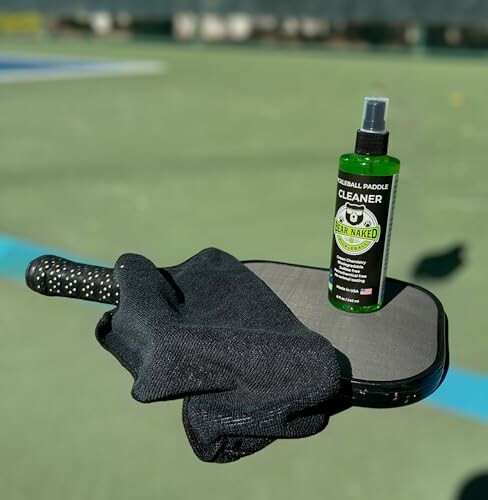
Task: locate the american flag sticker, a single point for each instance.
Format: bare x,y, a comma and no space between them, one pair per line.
366,291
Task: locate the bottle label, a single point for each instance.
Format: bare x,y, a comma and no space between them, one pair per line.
362,227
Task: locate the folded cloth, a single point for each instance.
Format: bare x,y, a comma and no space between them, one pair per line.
211,332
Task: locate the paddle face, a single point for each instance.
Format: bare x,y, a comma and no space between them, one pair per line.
393,357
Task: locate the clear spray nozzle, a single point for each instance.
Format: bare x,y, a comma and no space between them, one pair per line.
374,114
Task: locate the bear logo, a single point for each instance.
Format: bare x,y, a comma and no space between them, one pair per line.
354,214
356,229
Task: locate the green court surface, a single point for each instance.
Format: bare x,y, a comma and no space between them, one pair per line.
238,149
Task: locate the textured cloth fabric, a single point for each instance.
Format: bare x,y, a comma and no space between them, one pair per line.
211,332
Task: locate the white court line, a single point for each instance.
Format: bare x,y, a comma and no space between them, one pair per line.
78,68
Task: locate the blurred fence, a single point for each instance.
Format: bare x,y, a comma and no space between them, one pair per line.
424,11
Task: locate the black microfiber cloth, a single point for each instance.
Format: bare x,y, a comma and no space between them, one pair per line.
211,332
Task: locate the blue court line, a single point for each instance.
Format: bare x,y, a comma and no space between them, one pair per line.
463,392
16,254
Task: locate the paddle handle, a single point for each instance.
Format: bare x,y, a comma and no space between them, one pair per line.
58,277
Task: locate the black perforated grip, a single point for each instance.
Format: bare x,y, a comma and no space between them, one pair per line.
55,276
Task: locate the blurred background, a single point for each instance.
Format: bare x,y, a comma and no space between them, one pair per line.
164,127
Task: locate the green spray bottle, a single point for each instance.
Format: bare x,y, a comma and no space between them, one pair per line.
366,189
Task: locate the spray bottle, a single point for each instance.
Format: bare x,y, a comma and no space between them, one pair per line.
366,189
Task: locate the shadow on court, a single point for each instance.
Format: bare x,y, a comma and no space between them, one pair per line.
437,266
475,488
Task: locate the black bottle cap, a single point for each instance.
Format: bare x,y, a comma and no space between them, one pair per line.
372,137
368,143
